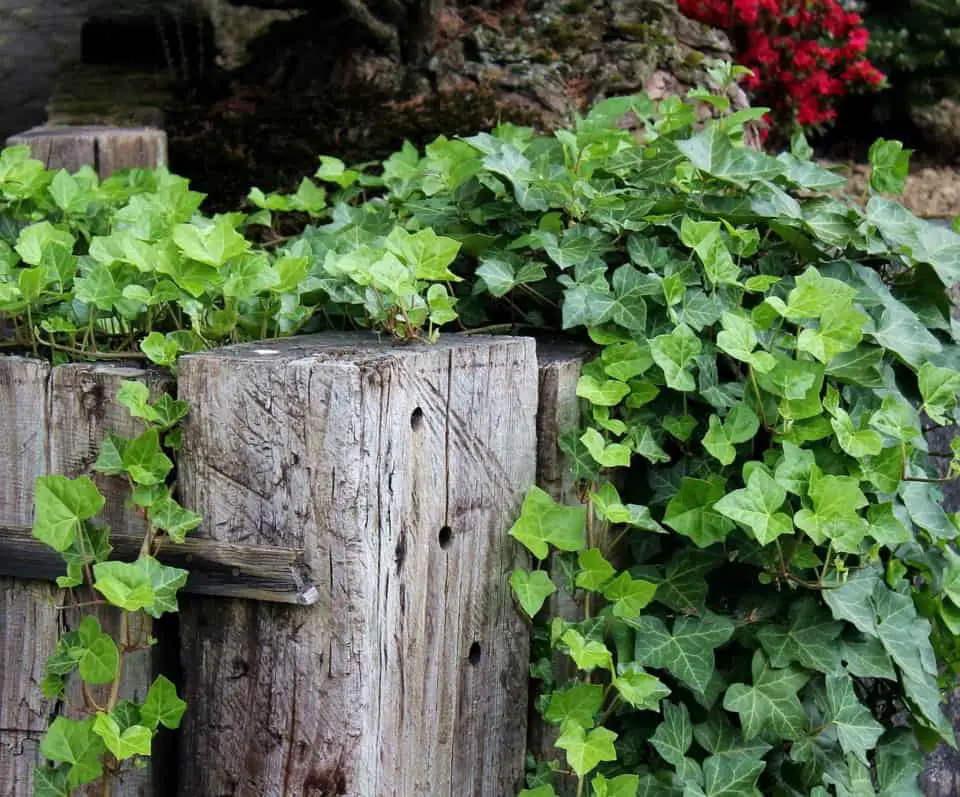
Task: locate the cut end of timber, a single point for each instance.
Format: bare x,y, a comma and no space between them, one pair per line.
358,348
106,149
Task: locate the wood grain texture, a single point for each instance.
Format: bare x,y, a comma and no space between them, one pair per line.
558,412
83,411
28,618
941,776
398,469
106,149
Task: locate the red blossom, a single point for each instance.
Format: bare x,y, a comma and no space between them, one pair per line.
805,54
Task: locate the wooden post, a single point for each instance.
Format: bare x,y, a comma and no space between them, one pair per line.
28,618
398,469
106,149
83,410
558,412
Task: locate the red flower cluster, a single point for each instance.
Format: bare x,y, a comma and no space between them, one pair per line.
804,54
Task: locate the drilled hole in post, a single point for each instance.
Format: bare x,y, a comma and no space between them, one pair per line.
474,655
416,418
445,536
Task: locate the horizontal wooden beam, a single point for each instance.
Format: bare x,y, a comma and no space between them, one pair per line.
232,570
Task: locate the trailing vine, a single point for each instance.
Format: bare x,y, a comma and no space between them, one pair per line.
112,733
768,595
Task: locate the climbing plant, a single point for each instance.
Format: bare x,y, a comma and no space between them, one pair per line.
767,598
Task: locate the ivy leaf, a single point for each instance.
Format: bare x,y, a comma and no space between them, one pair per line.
629,310
162,706
740,426
629,595
673,737
809,640
532,589
624,361
680,427
739,339
144,459
692,511
858,443
165,582
939,388
607,455
429,254
593,570
683,587
74,742
712,152
608,393
541,791
924,507
675,352
729,776
856,728
620,786
793,471
705,238
755,507
100,660
892,618
687,650
577,704
61,506
770,706
898,420
836,500
865,656
135,740
542,520
840,330
639,688
159,348
135,396
587,654
890,163
718,737
213,244
51,781
586,749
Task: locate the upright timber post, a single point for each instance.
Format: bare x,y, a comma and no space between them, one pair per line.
28,616
398,469
558,413
106,149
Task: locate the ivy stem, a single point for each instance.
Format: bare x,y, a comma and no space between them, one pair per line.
100,355
756,391
826,563
124,635
586,596
580,784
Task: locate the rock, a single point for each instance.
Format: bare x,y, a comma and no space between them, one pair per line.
560,57
940,125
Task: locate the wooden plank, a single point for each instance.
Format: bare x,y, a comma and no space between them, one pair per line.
83,411
28,618
398,470
106,149
229,570
558,412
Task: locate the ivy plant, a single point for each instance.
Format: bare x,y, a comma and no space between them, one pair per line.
107,733
768,594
